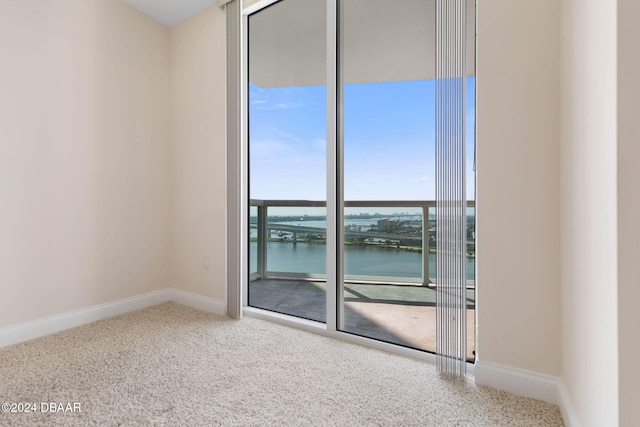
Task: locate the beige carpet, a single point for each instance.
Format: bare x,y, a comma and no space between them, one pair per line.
171,365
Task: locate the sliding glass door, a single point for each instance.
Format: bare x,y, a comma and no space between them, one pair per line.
349,87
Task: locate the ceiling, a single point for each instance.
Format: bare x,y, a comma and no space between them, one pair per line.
170,12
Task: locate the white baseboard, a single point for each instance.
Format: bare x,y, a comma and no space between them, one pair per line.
198,302
568,410
528,384
518,381
49,325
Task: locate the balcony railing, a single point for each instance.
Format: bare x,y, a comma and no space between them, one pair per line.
411,232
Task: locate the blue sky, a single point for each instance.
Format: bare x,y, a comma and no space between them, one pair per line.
388,141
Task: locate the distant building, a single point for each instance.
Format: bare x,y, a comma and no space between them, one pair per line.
386,225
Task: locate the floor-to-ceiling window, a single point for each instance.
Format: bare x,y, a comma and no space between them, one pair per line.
381,158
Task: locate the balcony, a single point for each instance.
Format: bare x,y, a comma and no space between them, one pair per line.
389,266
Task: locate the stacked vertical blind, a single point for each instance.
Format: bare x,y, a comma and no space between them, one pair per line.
451,206
234,122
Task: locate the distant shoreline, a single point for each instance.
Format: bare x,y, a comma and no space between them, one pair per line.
367,245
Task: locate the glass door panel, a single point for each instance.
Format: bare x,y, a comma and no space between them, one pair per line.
388,123
287,158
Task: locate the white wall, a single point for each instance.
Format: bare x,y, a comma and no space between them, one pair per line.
84,156
198,66
518,193
628,208
588,211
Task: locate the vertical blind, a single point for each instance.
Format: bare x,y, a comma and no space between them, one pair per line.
451,206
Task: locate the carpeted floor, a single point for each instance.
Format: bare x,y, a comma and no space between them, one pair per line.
172,365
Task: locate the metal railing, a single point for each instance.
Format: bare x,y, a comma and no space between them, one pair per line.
264,230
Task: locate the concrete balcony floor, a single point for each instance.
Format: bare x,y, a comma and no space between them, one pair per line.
398,314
